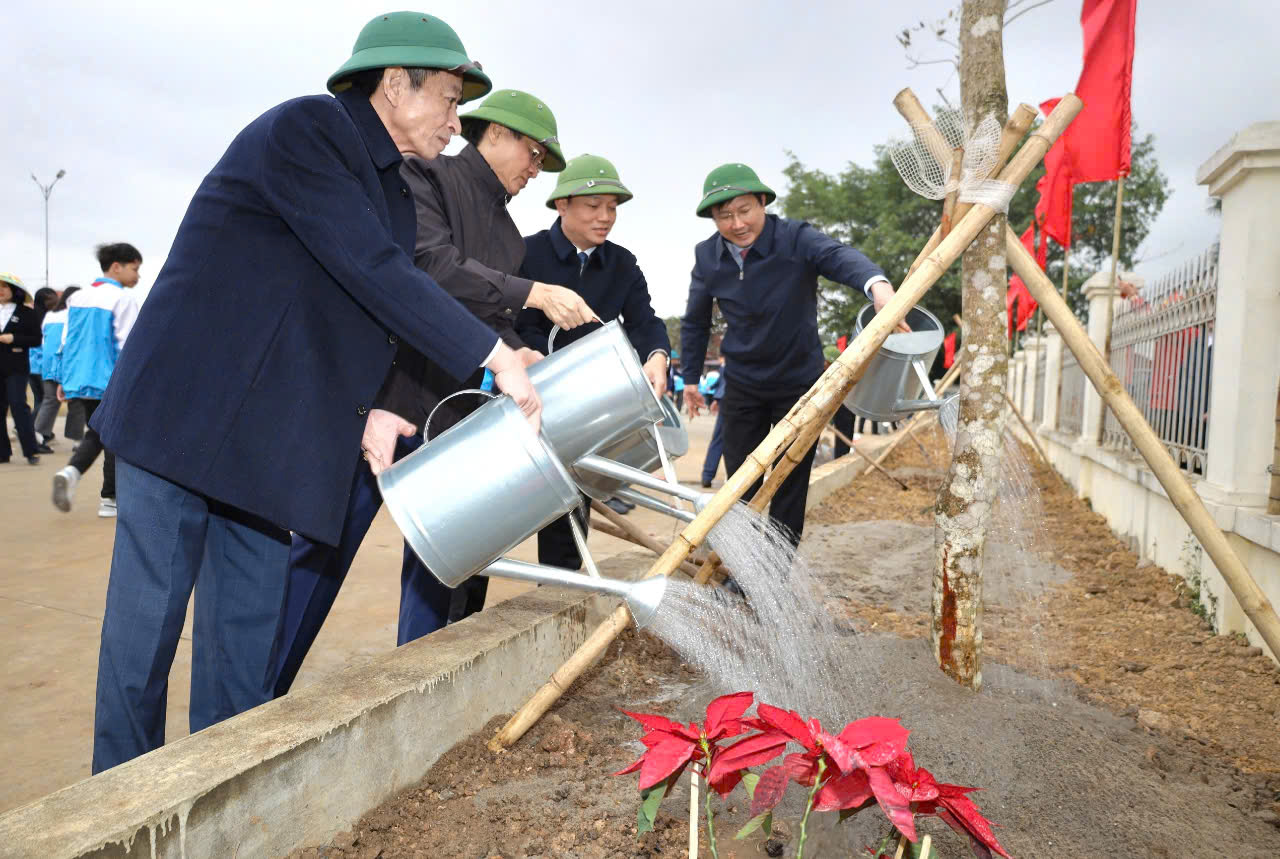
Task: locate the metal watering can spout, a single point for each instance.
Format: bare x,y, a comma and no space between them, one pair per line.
642,597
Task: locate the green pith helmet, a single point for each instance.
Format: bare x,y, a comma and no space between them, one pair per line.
524,113
586,176
728,181
411,40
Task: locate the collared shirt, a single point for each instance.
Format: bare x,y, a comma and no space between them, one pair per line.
769,300
468,243
611,283
6,313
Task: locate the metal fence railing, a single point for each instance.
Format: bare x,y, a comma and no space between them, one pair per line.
1162,350
1071,399
1037,411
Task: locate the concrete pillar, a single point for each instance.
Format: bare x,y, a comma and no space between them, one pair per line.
1245,175
1097,290
1019,364
1033,348
1052,375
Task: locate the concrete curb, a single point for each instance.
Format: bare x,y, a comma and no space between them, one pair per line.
299,770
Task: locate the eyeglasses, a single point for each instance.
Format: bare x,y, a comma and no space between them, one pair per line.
536,155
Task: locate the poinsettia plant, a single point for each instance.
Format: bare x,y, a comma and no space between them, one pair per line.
866,764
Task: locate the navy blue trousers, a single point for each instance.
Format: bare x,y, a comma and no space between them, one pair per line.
13,397
715,450
169,541
317,571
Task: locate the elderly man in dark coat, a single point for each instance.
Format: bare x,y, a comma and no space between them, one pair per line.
289,285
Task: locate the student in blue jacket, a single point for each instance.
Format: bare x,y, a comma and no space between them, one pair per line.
306,220
763,272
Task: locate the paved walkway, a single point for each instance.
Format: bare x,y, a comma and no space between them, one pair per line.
53,584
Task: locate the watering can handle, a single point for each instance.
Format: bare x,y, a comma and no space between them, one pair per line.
551,339
426,427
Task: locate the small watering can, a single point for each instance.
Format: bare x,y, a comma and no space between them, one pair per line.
896,380
593,392
482,487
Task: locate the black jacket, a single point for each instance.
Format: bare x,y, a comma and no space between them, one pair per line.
612,284
249,374
24,325
468,243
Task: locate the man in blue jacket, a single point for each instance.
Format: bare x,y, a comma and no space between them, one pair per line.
288,287
763,272
576,252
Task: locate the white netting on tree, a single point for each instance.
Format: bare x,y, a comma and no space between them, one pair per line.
926,161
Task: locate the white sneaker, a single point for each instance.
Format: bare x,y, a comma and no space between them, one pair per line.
64,487
107,509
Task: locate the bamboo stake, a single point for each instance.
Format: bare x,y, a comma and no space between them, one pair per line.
949,201
1255,604
870,462
1115,265
693,813
1017,413
620,528
820,403
1019,121
1273,503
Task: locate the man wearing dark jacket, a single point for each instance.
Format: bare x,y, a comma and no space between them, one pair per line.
763,271
468,243
19,332
288,287
575,251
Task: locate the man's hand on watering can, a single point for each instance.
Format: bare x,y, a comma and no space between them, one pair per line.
562,306
655,370
529,357
510,377
881,293
693,400
381,430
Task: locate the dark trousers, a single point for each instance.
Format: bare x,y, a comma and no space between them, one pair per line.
556,546
90,446
844,421
13,387
317,571
748,415
715,450
37,392
170,540
76,420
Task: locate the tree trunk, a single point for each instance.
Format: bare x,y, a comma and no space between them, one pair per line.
968,494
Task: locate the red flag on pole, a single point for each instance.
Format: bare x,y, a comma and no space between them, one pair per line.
842,341
1019,296
1053,210
1100,138
949,351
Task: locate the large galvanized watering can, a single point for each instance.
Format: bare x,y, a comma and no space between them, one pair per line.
896,380
639,451
593,392
482,487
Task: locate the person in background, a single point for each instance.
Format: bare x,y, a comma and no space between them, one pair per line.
715,450
44,302
19,332
763,272
576,251
99,319
678,388
51,367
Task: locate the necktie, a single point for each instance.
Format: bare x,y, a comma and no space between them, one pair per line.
582,262
742,266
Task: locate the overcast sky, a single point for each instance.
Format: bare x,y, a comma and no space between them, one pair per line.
137,102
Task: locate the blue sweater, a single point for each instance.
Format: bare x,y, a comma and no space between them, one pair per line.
770,305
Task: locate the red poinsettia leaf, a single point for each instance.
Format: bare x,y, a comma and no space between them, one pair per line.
979,849
654,722
874,729
635,766
788,722
846,791
724,708
664,759
731,728
727,782
971,818
769,790
922,788
954,790
802,768
841,754
897,809
753,751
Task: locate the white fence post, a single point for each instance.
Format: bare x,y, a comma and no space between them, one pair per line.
1245,175
1052,375
1097,290
1032,349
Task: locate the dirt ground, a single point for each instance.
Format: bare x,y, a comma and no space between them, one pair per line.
1113,722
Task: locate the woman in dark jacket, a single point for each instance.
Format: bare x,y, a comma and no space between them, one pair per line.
19,331
46,299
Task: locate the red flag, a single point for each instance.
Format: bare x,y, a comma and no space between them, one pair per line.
1018,299
1099,139
842,341
1053,210
949,351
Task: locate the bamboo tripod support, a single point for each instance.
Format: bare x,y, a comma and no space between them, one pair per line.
616,526
819,404
1255,604
1017,413
871,463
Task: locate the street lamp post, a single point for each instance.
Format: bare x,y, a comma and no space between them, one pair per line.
46,190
